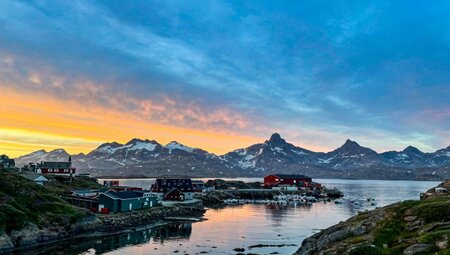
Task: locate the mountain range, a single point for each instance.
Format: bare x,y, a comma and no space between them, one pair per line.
148,158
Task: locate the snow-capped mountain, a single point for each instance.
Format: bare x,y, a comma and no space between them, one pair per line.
350,156
150,158
274,153
43,155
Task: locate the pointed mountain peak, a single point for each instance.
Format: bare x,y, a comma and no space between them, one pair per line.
352,147
412,149
350,144
276,139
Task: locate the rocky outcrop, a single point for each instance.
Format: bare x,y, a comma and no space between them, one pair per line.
6,243
410,227
322,242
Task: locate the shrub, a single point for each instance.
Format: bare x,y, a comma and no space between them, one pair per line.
388,233
436,211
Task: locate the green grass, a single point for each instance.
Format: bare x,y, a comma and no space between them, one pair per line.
434,236
435,211
22,202
388,233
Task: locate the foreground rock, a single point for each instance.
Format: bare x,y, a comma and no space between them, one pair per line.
410,227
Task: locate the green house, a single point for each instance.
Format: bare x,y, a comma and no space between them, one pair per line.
124,201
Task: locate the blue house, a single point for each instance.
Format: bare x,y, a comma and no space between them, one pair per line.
124,201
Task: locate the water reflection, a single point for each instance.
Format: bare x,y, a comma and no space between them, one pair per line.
100,245
176,231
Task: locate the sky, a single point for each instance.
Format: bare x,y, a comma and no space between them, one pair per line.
222,75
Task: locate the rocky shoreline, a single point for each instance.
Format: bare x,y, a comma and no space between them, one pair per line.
31,236
409,228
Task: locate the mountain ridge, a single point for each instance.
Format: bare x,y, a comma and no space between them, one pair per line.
144,157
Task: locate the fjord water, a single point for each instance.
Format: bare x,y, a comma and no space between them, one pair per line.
242,226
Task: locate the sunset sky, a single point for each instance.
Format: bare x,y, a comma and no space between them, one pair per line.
222,75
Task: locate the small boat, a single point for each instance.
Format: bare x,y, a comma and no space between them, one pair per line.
183,219
338,201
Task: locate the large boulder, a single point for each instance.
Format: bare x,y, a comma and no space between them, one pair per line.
416,249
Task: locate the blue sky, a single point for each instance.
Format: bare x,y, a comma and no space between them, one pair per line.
317,72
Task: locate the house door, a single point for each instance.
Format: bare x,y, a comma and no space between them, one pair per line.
131,206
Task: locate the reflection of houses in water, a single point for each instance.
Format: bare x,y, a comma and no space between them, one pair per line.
174,231
101,245
114,242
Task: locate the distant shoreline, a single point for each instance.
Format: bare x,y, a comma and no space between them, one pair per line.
197,177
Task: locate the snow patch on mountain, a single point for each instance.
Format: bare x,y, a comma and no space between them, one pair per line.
298,152
175,145
141,146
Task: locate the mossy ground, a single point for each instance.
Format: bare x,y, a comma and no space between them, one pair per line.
22,201
389,237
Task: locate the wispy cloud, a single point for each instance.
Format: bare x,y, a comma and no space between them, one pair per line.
318,73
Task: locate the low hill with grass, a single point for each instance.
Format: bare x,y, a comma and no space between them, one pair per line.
409,227
23,202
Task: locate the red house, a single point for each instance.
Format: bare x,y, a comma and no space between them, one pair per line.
286,180
110,183
174,194
56,168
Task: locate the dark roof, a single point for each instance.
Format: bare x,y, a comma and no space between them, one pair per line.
173,190
293,176
31,175
57,165
198,182
124,194
174,183
141,191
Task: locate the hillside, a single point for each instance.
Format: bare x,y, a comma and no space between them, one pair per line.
410,227
148,158
23,202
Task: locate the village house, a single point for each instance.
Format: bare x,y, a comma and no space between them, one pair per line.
111,183
198,186
289,182
7,163
85,192
177,189
56,168
39,179
124,201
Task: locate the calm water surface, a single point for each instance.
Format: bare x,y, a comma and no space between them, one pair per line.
247,225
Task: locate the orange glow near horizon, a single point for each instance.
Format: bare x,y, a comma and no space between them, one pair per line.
33,121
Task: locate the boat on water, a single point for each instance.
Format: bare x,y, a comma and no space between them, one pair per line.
338,201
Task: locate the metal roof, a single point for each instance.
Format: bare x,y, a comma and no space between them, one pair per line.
124,194
56,165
